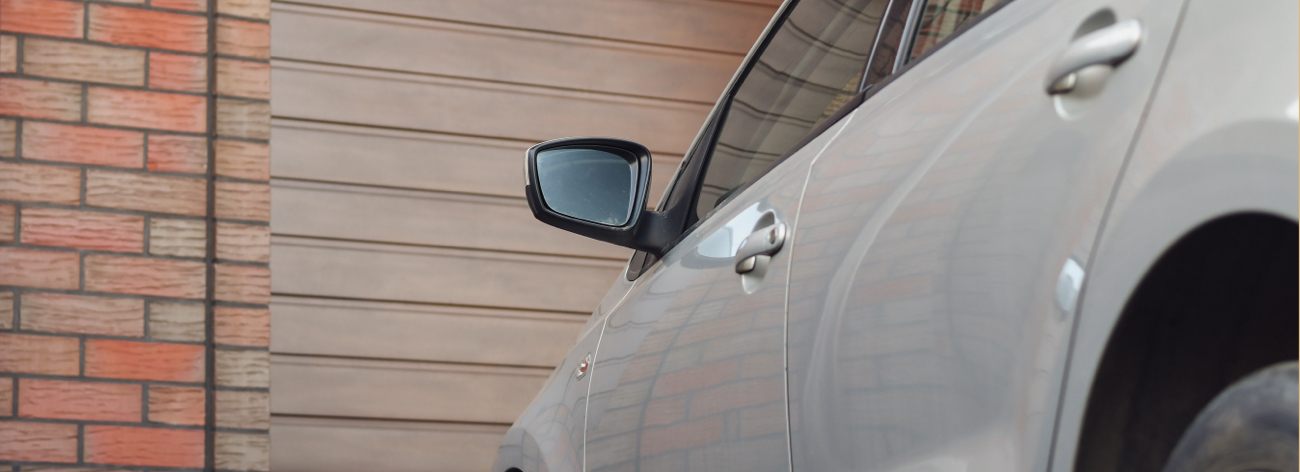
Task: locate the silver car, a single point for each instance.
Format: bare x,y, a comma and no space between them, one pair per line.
949,235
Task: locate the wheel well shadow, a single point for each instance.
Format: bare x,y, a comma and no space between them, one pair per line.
1217,305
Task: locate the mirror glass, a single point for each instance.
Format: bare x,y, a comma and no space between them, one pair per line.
590,183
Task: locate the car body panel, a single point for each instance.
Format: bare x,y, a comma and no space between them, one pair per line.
926,328
1220,139
548,435
690,372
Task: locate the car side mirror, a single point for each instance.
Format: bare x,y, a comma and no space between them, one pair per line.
595,187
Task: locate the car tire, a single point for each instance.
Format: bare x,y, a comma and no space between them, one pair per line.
1250,426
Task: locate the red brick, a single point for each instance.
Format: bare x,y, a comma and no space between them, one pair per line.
148,28
40,99
192,5
157,447
144,109
38,442
30,354
177,321
8,53
170,153
83,314
176,405
145,192
137,360
83,62
145,276
243,326
48,17
178,72
246,284
78,400
39,183
83,145
243,38
7,219
8,138
244,410
240,78
6,312
242,118
243,242
243,368
7,396
82,229
243,159
260,9
243,201
38,268
177,237
242,451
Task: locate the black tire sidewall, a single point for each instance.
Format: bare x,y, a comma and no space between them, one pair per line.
1250,426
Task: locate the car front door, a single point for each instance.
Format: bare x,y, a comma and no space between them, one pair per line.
945,234
689,371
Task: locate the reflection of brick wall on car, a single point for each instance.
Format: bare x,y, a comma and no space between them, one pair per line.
909,324
552,438
704,377
704,388
133,234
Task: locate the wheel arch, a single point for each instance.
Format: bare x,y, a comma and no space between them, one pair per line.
1217,306
1222,187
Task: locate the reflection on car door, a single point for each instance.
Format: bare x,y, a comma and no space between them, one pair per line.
944,236
696,351
689,373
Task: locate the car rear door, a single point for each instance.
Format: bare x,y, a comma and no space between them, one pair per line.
946,233
689,373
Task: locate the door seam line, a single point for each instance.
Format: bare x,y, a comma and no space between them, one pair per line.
785,325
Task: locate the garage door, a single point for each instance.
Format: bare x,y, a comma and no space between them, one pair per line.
416,306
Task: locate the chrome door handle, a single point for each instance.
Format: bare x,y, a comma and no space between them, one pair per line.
1111,46
761,244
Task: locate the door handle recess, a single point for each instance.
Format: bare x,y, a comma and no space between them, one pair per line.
762,243
1110,46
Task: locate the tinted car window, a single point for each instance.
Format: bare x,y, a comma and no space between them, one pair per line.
940,19
812,65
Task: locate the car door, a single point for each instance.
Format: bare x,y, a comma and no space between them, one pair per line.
945,234
689,372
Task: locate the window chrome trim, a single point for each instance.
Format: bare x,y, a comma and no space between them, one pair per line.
909,33
875,43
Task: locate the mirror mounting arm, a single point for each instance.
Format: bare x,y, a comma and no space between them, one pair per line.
654,232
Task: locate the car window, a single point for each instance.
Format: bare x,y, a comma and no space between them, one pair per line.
812,65
939,19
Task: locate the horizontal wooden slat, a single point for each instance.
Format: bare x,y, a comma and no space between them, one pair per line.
301,266
420,332
427,161
372,156
420,217
720,26
401,390
495,54
345,445
467,107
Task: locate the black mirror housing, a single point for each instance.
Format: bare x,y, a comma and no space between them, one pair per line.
586,182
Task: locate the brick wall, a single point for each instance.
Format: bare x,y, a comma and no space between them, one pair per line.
133,234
